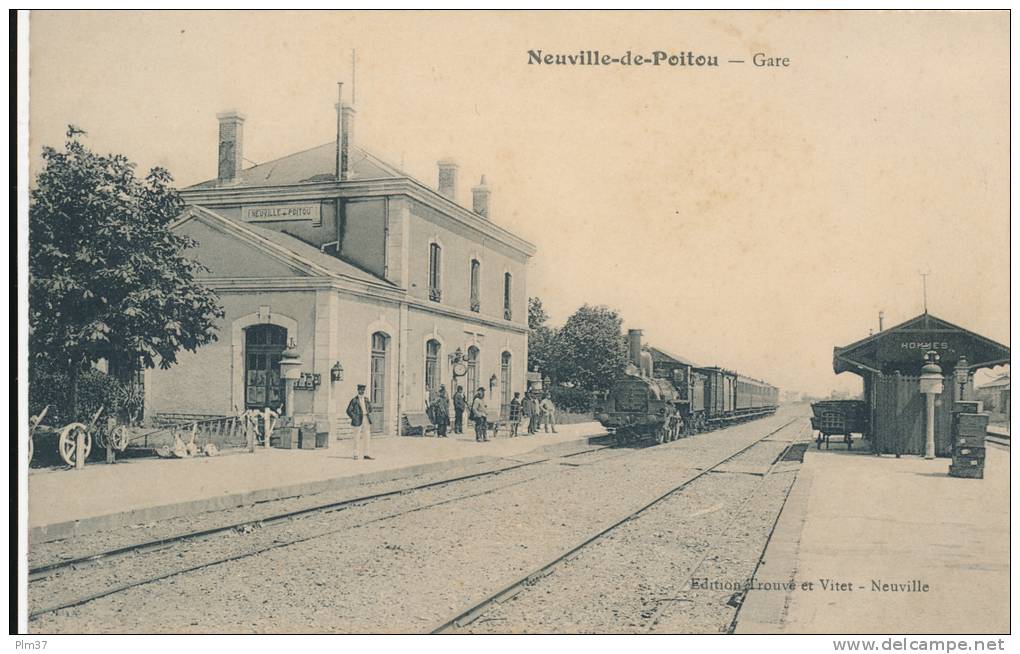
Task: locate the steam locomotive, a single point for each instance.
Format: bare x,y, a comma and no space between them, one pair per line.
666,398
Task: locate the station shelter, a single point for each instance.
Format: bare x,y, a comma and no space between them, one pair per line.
890,364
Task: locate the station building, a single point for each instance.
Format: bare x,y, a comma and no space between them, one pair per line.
370,276
890,362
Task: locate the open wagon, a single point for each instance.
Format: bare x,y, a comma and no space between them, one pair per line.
838,418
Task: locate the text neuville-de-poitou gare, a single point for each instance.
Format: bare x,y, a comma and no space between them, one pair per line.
631,58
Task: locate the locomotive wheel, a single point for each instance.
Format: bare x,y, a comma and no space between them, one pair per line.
66,445
119,437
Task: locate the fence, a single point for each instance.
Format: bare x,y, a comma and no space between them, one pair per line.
899,421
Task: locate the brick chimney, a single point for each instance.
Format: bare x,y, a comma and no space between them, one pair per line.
346,140
448,178
480,198
231,146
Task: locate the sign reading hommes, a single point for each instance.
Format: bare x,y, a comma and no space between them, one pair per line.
279,212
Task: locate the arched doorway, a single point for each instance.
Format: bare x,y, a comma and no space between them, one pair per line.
472,370
377,383
263,348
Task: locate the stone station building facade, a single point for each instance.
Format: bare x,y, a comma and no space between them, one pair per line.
371,276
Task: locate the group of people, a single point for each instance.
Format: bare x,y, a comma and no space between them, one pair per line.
540,412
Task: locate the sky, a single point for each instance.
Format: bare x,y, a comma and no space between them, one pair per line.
743,216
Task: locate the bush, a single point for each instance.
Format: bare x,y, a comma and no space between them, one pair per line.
574,400
95,389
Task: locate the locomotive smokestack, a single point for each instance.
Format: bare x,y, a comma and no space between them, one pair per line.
634,341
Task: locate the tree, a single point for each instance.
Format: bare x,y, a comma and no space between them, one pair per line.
541,340
108,278
590,349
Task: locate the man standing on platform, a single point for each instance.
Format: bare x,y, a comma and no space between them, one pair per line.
359,410
459,406
480,414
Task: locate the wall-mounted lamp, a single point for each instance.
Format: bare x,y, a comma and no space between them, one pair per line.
336,373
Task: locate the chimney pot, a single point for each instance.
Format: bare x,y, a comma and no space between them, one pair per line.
634,342
346,137
480,199
231,146
448,178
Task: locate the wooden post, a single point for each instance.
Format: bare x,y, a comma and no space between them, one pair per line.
110,456
79,450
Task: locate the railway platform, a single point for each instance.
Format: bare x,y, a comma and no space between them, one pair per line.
65,503
900,546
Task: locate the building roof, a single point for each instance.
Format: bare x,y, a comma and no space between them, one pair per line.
903,346
316,164
999,383
285,244
659,354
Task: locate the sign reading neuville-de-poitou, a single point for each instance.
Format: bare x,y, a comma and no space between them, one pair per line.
281,212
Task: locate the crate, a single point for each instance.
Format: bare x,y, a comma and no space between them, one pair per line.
972,452
971,424
967,472
970,441
288,437
968,462
967,406
306,437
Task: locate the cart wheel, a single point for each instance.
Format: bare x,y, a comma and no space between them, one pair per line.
119,437
66,444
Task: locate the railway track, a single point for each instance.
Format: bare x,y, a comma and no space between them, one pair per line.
46,571
472,612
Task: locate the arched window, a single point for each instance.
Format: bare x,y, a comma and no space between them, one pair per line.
508,313
505,383
432,349
263,349
435,274
472,370
476,272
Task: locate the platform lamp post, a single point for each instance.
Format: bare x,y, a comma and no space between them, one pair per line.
961,375
290,370
931,385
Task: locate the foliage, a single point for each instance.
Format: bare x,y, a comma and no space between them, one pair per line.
541,340
108,278
95,389
590,348
574,400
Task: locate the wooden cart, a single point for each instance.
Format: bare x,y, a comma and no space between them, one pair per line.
838,418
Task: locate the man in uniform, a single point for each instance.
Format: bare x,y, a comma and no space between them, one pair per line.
359,410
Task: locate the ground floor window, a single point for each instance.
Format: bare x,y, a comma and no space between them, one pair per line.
432,349
472,370
377,395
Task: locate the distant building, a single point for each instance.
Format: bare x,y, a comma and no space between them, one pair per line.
370,275
995,394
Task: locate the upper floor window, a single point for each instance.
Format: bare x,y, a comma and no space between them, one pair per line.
435,278
507,282
476,272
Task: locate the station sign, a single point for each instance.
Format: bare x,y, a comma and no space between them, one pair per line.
909,348
264,213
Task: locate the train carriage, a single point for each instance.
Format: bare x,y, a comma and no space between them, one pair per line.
666,397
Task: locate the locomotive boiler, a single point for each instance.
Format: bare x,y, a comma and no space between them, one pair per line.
665,397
